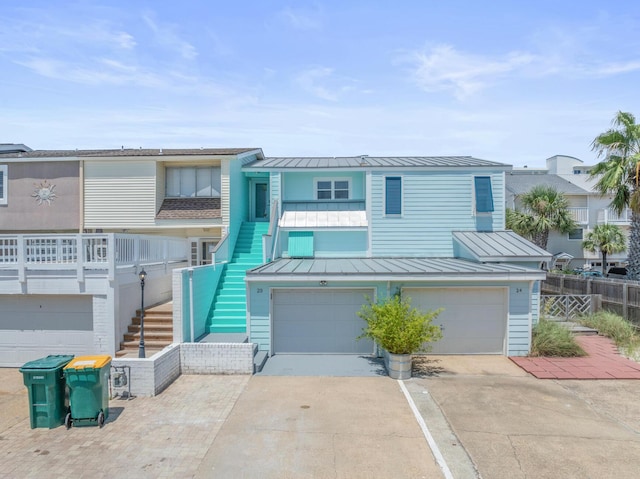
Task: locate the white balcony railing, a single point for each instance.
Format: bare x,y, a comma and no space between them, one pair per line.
580,215
88,251
609,215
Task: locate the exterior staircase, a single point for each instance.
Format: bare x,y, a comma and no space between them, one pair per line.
158,331
228,313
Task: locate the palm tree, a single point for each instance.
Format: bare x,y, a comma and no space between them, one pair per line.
606,238
543,209
618,175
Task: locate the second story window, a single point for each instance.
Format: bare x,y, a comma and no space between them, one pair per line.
337,189
483,193
191,182
4,180
393,195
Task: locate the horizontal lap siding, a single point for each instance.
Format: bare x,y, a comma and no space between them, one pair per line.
520,303
119,194
433,205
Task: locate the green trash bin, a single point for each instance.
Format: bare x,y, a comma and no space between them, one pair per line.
88,381
48,400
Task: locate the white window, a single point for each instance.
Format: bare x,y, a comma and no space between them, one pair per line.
4,184
191,182
333,189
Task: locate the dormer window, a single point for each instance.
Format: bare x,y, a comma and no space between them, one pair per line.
192,182
333,189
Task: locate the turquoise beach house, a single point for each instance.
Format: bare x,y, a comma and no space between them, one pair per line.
343,229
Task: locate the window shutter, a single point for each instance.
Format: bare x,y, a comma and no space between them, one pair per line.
393,195
484,196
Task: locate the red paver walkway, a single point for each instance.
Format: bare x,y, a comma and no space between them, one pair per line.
603,361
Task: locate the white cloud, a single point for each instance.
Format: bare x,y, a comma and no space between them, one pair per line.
303,19
309,81
167,37
444,68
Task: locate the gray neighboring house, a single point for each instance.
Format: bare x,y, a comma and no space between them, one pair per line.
570,176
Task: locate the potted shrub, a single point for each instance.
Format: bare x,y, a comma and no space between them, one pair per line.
400,331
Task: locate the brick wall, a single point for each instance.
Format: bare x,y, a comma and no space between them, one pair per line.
216,358
150,376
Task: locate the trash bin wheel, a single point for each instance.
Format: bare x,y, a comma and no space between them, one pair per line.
100,419
67,420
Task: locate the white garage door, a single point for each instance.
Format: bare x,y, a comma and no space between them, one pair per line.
474,320
319,321
33,326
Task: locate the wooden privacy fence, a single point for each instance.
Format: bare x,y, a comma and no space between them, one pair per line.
617,295
569,306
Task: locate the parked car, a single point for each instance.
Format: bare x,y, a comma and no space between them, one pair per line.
616,272
592,274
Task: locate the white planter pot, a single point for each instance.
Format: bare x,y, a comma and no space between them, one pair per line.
398,365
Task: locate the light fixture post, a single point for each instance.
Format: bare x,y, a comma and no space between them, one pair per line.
142,275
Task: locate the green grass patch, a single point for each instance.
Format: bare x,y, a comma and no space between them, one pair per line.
623,333
552,339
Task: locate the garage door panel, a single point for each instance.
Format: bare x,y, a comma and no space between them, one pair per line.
474,319
33,326
319,321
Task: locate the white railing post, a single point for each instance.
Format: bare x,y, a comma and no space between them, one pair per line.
111,256
21,259
80,258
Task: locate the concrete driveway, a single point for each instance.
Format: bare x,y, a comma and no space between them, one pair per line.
515,426
226,426
320,427
508,423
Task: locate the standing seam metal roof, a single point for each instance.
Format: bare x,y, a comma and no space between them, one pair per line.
383,266
498,245
371,161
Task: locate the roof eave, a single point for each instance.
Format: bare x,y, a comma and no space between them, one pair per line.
532,275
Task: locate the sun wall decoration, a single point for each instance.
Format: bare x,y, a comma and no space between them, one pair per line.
44,192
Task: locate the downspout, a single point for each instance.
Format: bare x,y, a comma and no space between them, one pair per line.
191,320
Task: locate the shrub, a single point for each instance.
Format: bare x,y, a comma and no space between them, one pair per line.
615,327
552,339
397,327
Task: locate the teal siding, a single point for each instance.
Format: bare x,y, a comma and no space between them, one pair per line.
300,244
274,182
238,197
331,244
205,281
434,205
301,186
519,337
340,244
535,303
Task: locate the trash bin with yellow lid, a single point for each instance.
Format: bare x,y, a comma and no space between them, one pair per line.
88,381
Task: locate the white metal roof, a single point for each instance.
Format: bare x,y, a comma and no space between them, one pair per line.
323,219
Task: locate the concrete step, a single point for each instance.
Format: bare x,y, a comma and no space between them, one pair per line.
575,327
259,360
151,344
150,336
153,326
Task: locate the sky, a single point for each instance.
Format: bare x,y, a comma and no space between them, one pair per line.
508,81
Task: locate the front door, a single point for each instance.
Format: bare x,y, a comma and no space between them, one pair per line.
260,202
